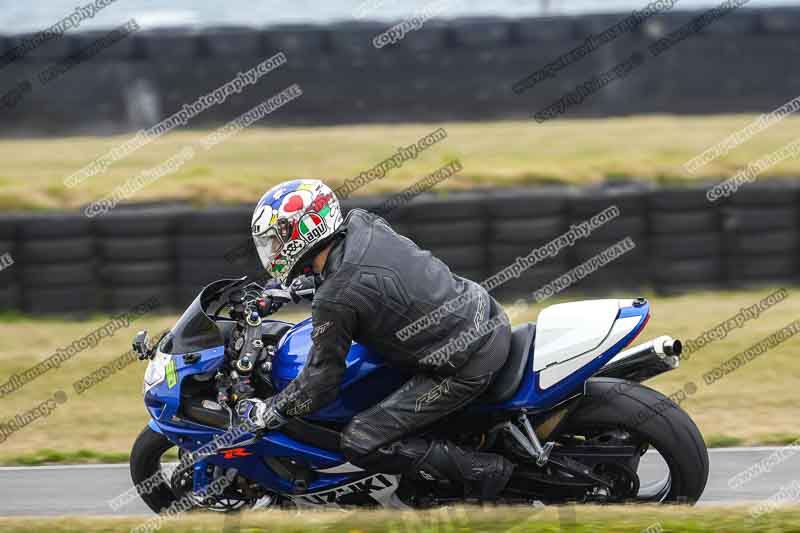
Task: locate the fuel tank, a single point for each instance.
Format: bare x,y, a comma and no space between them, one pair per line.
366,381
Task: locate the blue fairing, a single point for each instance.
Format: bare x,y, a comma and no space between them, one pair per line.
163,401
274,444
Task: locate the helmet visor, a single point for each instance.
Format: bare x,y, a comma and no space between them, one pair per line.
268,245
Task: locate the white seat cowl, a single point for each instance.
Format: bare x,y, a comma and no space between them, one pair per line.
565,331
555,373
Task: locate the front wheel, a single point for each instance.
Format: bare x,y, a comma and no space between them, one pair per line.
614,411
154,468
147,471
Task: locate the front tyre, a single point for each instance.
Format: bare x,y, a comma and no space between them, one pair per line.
650,418
146,472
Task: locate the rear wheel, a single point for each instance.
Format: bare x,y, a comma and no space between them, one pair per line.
617,412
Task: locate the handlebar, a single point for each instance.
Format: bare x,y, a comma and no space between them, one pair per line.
269,298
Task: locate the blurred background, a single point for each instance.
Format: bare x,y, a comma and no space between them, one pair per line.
705,71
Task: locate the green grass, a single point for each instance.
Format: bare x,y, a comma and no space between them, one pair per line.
780,439
581,519
83,456
493,153
49,456
723,441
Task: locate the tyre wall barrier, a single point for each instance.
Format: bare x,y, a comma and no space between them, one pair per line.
64,262
460,69
629,271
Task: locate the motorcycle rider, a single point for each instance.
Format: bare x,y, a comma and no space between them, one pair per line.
375,282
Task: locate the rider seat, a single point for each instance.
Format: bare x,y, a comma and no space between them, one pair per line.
509,377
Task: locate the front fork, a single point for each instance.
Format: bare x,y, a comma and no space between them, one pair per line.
200,478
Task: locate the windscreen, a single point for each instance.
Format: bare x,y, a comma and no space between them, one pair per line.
195,329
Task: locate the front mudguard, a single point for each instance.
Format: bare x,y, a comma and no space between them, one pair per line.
152,424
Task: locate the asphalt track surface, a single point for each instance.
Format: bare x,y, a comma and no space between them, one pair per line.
86,489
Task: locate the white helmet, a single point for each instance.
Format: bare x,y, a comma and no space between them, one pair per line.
291,223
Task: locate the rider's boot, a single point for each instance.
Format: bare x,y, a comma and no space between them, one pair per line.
484,475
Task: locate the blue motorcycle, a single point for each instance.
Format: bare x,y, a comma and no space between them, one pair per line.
568,409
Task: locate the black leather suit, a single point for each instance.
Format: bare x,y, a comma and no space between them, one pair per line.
375,283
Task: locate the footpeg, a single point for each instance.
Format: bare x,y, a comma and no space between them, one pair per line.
544,456
542,452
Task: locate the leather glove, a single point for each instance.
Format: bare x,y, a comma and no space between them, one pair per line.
304,287
272,284
277,297
260,414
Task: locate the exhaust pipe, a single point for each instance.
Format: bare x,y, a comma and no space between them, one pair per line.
644,361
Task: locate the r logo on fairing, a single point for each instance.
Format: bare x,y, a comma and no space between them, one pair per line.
235,452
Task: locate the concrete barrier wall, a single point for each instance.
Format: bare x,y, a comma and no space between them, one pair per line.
64,262
462,69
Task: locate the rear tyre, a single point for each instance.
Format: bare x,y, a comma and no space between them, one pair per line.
146,463
650,417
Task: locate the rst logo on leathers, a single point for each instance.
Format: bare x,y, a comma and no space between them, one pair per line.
379,487
436,392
